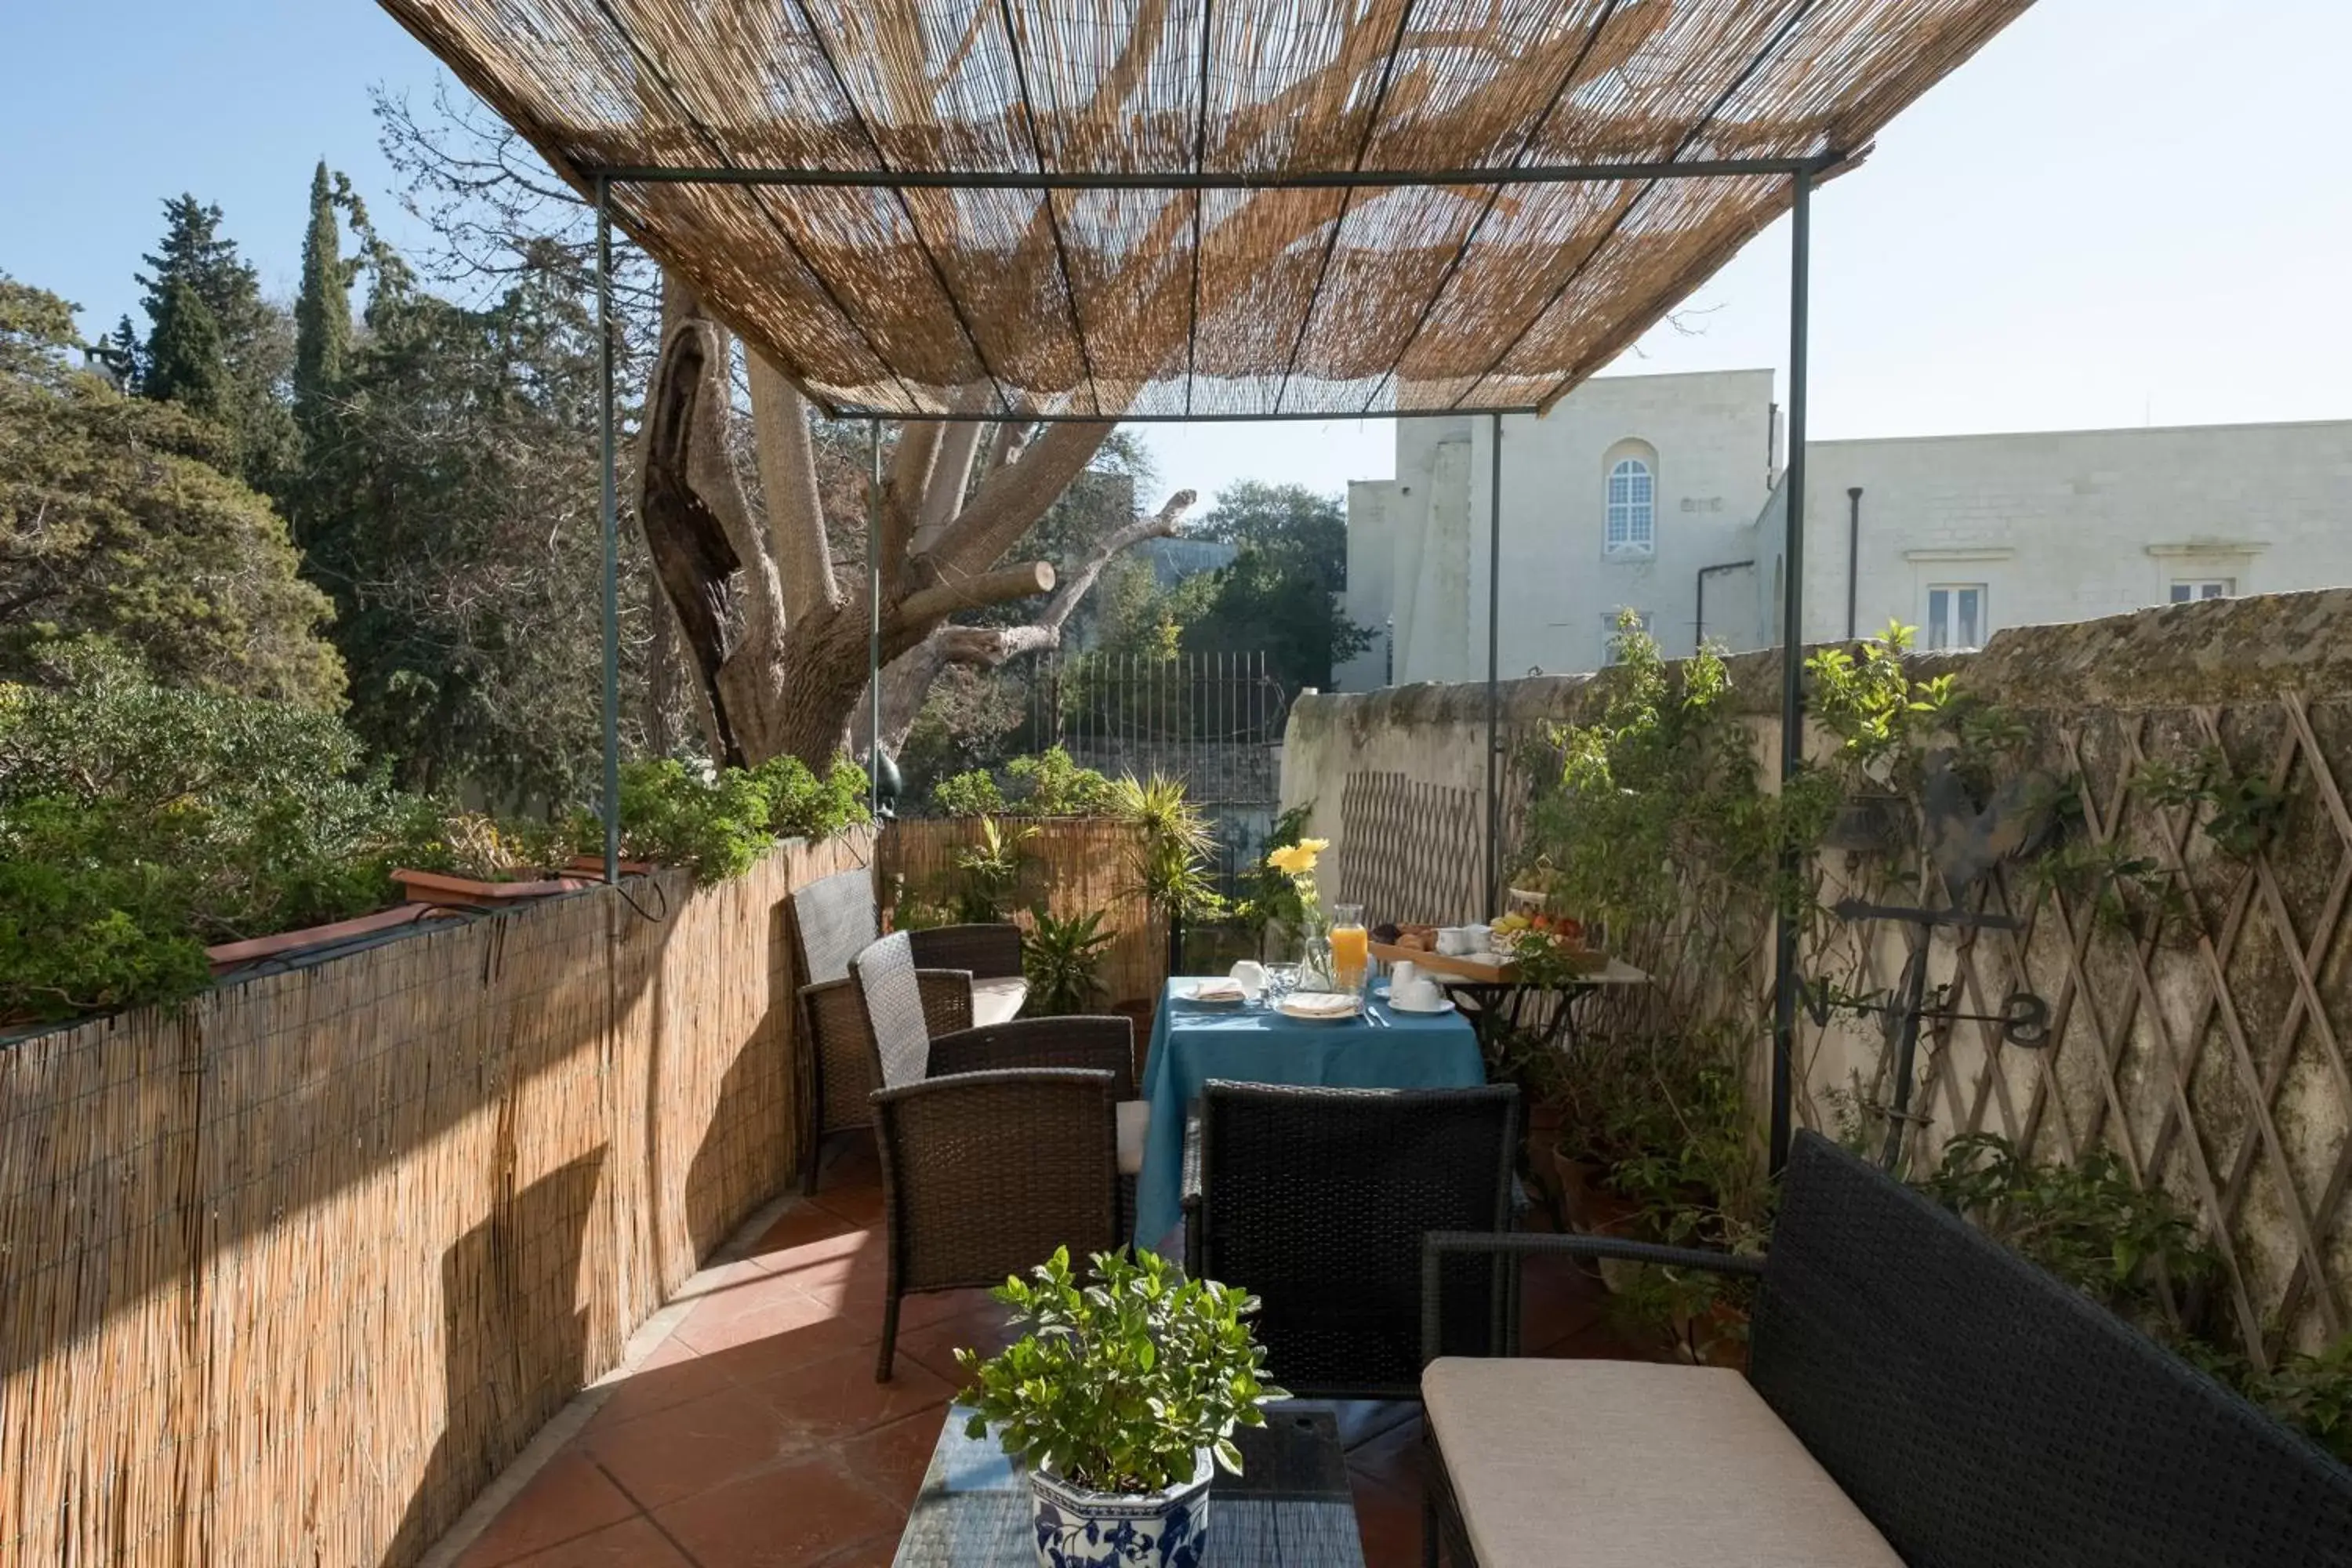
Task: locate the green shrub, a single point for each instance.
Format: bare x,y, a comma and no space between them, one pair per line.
972,794
1063,963
1121,1382
988,873
1050,785
138,824
1055,786
717,825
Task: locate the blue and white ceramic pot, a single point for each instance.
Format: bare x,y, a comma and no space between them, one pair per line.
1079,1529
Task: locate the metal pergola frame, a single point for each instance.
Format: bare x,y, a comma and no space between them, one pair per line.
1802,173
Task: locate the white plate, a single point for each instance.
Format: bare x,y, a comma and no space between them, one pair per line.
1290,1007
1444,1004
1232,999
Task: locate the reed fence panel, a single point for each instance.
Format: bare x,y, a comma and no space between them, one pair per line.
290,1272
1075,865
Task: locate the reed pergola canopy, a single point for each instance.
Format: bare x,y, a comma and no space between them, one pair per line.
1211,231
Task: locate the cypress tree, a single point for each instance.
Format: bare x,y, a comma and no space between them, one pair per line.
183,362
322,314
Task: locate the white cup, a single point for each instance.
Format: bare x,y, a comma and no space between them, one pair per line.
1250,975
1402,974
1420,995
1452,942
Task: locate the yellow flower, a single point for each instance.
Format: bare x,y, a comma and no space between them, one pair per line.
1314,846
1295,860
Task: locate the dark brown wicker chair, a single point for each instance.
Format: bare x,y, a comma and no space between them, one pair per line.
835,920
1315,1201
999,1143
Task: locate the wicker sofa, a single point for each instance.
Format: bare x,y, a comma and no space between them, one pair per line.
1917,1394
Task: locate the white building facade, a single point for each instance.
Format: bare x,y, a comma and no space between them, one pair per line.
1660,494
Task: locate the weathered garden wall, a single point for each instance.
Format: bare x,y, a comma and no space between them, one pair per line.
1078,866
2201,998
287,1274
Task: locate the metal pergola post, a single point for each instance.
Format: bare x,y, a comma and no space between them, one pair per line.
612,526
1792,669
874,617
1494,672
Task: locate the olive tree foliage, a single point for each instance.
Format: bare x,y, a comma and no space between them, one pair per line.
752,507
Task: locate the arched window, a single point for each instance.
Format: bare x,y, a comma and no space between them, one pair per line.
1632,507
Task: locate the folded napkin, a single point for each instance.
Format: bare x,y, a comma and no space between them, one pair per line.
1217,991
1321,1003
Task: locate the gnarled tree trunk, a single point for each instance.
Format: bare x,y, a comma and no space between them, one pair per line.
777,649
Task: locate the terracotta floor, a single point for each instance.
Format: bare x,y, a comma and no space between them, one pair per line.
755,1435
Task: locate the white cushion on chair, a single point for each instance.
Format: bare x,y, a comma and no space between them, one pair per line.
1134,1131
998,999
1578,1463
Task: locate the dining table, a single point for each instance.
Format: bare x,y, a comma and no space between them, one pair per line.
1192,1042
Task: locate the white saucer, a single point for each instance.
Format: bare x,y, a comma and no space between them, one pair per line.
1444,1004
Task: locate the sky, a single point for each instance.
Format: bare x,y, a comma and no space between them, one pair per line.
2120,213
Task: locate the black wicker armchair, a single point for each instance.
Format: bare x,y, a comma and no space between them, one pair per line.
1917,1395
1316,1200
969,975
999,1143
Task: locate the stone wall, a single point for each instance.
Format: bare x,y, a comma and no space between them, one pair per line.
2201,1007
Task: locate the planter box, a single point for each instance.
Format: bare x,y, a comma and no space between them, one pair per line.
593,866
228,955
1592,1208
439,887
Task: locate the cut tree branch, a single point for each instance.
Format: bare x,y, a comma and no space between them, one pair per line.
1010,501
1023,582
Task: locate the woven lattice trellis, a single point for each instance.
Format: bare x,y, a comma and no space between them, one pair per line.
2200,1004
1176,302
1410,850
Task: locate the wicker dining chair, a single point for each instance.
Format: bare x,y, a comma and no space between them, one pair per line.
999,1143
1315,1201
969,975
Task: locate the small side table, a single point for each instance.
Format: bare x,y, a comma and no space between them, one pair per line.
1289,1508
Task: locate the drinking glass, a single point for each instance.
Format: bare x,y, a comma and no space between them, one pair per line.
1350,947
1281,980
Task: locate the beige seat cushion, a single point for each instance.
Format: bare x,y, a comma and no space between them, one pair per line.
998,999
1577,1464
1134,1131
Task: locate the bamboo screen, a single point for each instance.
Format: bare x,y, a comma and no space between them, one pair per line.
1178,303
292,1273
1077,865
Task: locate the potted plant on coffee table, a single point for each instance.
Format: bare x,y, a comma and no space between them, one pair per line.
1121,1400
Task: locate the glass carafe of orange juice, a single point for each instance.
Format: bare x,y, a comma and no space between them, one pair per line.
1351,951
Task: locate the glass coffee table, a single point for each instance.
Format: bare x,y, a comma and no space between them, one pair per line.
1290,1508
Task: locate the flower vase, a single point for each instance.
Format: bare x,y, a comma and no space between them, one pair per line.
1316,970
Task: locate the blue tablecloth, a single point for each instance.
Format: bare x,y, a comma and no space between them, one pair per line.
1191,1044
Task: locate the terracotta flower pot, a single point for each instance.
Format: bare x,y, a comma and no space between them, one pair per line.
440,887
228,955
593,866
1594,1210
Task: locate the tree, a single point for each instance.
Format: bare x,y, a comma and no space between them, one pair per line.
775,638
183,363
751,507
1281,592
322,312
451,508
236,371
117,522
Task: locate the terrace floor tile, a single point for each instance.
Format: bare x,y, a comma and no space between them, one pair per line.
755,1435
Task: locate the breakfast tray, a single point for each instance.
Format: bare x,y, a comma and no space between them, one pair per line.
1481,970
